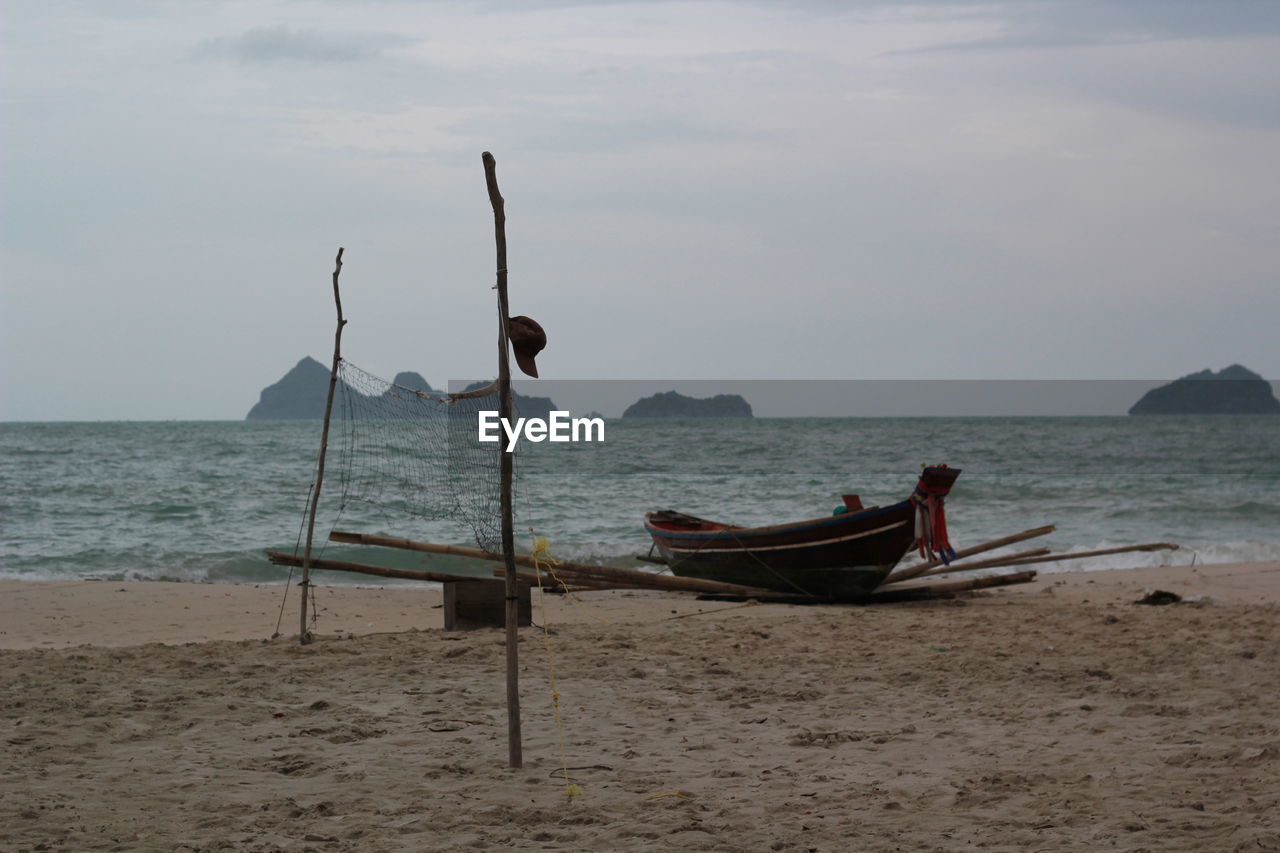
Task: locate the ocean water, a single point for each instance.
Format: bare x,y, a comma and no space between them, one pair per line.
201,501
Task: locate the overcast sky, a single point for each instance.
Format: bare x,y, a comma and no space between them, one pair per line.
743,190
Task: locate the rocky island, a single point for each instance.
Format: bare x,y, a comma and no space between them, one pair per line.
300,395
675,405
1234,390
525,407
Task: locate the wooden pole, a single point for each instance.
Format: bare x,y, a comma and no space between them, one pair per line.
280,558
1026,558
963,585
448,550
920,568
1054,558
561,580
304,636
990,563
583,571
515,752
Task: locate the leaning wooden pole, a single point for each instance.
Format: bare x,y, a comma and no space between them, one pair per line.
1101,552
304,636
920,568
991,563
515,752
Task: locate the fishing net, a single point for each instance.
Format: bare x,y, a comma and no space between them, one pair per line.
414,451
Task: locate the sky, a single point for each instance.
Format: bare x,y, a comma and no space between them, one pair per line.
777,189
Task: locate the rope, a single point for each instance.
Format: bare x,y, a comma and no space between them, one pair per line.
746,550
751,603
542,556
658,795
297,545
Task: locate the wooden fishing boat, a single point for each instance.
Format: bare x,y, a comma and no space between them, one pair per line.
840,556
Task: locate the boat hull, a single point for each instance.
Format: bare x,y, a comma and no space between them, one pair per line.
840,557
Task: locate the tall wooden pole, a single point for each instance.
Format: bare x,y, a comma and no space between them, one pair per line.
515,751
304,636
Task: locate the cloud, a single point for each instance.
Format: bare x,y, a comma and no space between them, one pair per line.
1110,198
281,43
1075,23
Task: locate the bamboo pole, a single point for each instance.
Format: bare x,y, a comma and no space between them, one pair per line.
990,563
560,579
920,568
611,574
568,571
963,585
304,636
634,578
281,558
1053,558
515,752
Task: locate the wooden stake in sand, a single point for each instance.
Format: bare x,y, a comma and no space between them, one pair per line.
304,636
515,752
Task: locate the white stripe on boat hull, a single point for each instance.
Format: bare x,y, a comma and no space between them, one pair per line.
792,547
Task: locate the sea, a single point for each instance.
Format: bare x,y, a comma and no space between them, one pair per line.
202,501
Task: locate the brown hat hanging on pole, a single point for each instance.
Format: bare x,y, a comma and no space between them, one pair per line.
527,340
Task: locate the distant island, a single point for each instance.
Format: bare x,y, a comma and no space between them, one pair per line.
674,405
526,407
1234,390
300,395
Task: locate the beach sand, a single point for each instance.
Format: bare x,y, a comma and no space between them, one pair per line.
1053,716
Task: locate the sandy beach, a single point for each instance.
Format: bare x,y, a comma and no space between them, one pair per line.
1054,716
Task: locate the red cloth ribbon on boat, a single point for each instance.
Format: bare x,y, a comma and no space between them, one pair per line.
931,522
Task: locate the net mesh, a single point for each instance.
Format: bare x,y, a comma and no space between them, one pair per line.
410,450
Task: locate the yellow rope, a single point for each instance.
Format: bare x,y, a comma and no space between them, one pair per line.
542,556
658,795
544,562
